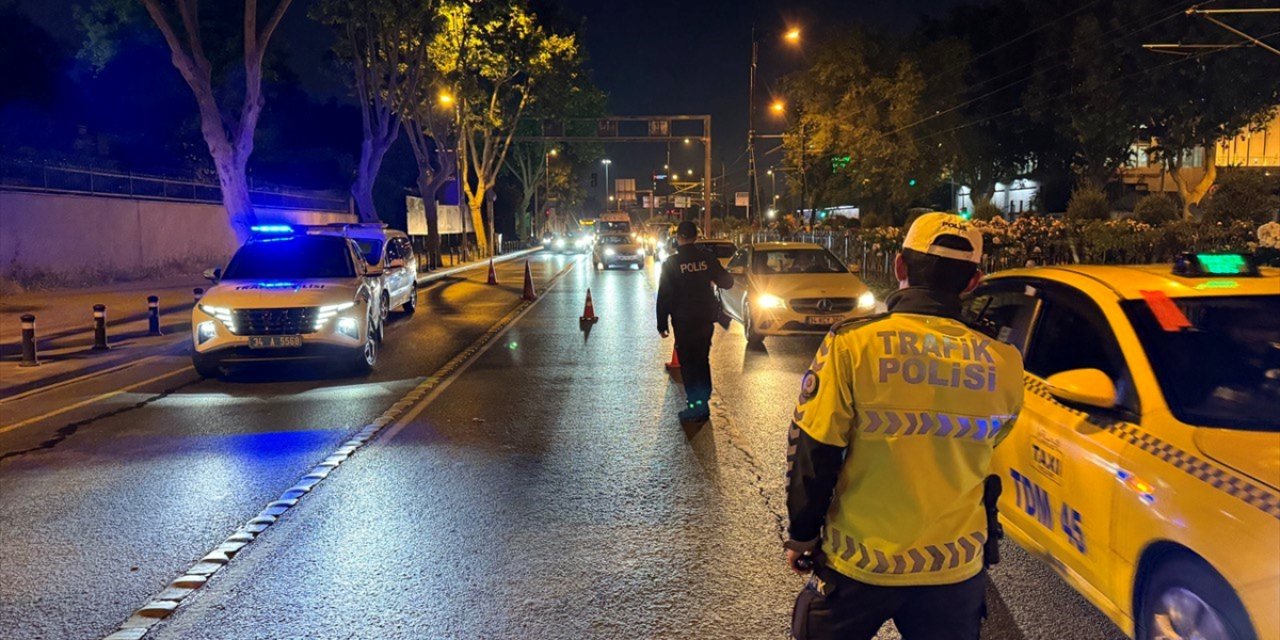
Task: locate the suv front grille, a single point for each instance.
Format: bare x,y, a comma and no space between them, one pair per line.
274,322
833,305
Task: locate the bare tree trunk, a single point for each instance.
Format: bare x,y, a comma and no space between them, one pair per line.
372,153
235,192
1189,194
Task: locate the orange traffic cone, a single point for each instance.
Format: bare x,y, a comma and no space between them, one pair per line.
528,283
493,275
674,365
589,311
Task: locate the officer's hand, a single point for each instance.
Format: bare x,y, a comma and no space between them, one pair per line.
663,333
793,557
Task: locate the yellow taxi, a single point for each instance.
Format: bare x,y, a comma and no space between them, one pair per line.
1145,466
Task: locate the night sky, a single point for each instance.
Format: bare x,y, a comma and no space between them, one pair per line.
651,57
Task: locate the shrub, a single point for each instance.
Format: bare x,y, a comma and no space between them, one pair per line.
1242,195
1157,208
985,210
875,219
1088,204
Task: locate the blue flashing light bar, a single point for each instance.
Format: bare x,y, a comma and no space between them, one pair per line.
277,284
271,229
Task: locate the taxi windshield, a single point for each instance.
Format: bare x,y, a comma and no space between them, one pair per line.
796,261
719,249
1221,368
297,258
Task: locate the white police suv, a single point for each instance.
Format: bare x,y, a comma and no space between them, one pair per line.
288,294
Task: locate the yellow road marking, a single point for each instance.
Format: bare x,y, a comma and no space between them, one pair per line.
89,401
77,379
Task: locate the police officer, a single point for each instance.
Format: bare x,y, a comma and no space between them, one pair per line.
686,297
889,451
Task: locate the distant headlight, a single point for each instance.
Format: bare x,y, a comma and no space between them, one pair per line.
610,252
640,252
559,243
867,300
769,301
205,331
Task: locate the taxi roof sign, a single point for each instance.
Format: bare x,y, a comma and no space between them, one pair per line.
1199,265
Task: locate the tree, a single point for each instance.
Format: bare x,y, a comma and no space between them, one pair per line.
1194,101
427,124
859,107
227,130
494,54
567,93
383,42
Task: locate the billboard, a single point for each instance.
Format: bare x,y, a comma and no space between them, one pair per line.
449,216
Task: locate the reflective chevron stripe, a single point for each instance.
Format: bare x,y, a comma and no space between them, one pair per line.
921,423
924,559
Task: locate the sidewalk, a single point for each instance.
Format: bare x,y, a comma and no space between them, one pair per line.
64,325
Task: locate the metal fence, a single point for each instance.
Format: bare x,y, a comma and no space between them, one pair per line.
47,178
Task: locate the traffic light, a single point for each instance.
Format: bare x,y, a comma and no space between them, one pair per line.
965,214
911,182
593,179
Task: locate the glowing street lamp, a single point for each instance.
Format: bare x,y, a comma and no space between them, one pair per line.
778,107
792,35
446,98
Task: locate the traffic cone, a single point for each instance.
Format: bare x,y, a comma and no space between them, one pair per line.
589,311
674,365
493,275
528,284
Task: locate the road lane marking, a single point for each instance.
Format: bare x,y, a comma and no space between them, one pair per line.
77,379
98,398
164,603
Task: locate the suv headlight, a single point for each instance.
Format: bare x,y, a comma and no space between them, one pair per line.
205,331
349,327
610,252
328,312
223,315
867,300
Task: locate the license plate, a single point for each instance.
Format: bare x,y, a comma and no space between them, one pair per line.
824,321
274,342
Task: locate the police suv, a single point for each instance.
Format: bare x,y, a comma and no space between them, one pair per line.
290,294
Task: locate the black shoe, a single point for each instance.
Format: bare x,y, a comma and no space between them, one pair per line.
692,415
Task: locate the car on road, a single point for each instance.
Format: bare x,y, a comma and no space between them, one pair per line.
723,250
1145,465
389,252
288,295
792,288
571,242
618,249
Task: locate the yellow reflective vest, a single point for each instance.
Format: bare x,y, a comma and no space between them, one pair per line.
918,402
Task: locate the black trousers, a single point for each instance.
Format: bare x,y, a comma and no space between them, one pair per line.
693,346
835,606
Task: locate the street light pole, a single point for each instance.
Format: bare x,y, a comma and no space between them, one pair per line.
606,162
751,125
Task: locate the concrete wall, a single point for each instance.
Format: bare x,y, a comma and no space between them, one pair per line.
58,233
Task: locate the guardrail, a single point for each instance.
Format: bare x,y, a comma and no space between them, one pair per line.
45,178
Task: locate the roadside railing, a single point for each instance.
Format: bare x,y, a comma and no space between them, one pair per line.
47,178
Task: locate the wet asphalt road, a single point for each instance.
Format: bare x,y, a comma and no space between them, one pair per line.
547,492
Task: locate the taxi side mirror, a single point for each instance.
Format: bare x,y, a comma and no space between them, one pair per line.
213,275
1088,387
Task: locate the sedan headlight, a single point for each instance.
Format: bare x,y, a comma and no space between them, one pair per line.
349,327
867,300
610,252
559,243
770,301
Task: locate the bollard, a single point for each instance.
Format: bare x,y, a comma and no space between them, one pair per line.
198,293
29,341
153,316
100,327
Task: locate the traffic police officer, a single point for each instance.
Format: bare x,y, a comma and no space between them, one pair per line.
889,451
686,297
